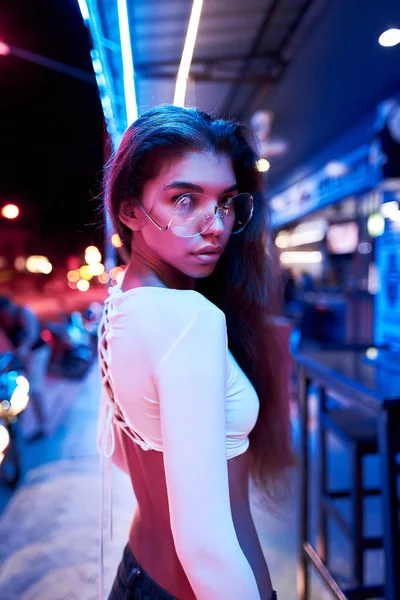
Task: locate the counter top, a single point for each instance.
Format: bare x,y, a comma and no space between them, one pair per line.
349,371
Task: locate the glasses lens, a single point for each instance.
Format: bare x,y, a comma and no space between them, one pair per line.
243,211
195,213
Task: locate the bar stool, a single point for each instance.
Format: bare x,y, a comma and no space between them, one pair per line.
359,433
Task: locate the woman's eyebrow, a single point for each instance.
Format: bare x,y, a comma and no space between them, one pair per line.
186,185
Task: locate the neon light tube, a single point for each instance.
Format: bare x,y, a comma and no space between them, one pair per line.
127,63
187,54
84,10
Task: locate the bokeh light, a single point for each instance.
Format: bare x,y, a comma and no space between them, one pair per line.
92,255
83,285
263,165
116,240
114,272
104,278
73,275
10,211
96,269
84,272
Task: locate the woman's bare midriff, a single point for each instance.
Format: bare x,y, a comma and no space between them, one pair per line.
150,536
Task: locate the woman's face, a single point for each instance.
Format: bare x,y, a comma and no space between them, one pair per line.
196,256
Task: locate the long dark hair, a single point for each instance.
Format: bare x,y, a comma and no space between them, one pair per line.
243,284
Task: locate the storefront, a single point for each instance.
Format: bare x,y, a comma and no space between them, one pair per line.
327,228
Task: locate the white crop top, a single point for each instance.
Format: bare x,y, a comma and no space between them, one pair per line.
171,383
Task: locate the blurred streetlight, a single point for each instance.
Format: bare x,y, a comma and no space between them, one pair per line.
116,240
83,285
10,211
263,165
4,49
92,255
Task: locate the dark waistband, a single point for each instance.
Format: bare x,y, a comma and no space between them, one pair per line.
131,565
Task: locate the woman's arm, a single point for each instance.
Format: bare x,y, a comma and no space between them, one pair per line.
191,381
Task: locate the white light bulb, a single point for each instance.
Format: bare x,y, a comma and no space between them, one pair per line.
390,37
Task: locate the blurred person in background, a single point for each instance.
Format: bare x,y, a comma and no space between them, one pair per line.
22,329
188,417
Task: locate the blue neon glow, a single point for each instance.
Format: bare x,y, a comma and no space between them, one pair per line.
84,10
97,65
127,63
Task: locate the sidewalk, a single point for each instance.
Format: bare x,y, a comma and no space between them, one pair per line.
49,530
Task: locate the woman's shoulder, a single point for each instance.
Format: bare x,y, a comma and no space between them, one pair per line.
176,306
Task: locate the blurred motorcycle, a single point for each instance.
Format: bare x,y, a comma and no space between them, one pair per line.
71,345
14,398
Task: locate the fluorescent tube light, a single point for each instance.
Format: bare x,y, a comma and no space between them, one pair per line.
127,63
187,54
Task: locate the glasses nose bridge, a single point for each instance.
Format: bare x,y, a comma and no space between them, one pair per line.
217,221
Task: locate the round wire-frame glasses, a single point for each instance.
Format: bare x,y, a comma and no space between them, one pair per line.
188,219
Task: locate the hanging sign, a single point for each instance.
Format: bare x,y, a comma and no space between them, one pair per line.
359,172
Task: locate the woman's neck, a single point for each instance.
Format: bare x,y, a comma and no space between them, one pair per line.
144,271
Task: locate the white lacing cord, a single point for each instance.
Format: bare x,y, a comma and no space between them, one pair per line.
106,449
106,452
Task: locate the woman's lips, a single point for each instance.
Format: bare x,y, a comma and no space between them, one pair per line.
207,257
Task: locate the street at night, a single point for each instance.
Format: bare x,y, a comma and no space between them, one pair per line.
200,300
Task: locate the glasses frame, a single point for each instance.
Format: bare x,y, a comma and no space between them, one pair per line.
217,209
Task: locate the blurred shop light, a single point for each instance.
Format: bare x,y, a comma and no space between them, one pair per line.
263,165
96,269
92,255
84,10
19,263
73,285
127,63
336,168
389,208
35,263
282,239
104,278
390,37
84,273
292,258
371,353
375,224
73,276
4,440
305,233
10,211
373,279
83,285
116,240
114,272
4,49
3,262
187,54
278,203
20,396
46,267
364,248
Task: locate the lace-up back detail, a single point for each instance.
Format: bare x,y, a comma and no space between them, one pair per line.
114,414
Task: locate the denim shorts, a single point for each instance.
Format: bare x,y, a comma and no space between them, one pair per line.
133,583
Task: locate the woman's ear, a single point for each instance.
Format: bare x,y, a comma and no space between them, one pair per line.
131,215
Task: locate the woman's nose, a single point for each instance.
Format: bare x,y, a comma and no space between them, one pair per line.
217,225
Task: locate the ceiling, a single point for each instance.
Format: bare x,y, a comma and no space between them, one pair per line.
315,63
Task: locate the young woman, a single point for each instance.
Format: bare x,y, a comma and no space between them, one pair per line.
190,403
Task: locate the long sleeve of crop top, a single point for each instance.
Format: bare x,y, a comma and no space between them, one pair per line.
191,382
